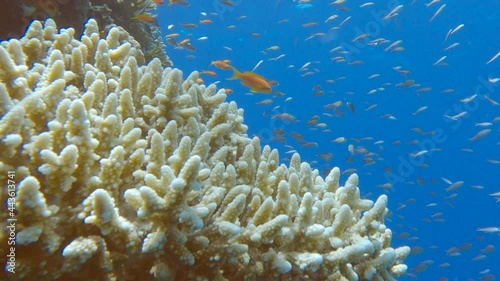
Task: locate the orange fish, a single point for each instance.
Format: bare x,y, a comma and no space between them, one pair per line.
146,18
159,2
222,64
257,83
208,72
186,45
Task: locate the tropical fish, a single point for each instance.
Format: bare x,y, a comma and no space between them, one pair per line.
490,229
222,64
208,72
188,25
186,45
257,83
481,134
351,107
228,3
178,2
146,18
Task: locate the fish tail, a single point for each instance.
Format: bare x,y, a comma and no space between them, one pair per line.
236,74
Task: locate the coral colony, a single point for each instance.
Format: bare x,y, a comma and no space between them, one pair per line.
127,171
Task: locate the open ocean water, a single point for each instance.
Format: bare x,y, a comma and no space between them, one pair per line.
416,114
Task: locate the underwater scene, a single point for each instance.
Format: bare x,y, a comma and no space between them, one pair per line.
250,140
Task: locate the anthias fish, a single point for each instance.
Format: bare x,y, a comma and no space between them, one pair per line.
257,83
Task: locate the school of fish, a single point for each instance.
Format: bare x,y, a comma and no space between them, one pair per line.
357,102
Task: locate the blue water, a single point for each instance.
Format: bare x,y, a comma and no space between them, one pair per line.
463,210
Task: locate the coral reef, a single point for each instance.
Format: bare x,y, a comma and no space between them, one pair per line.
17,14
126,171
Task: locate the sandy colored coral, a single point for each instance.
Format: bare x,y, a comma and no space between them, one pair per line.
127,171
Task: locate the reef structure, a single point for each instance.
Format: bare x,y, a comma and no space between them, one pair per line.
127,171
16,15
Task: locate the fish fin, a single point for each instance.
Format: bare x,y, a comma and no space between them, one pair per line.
257,90
236,74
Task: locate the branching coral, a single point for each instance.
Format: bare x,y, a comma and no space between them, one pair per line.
128,172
